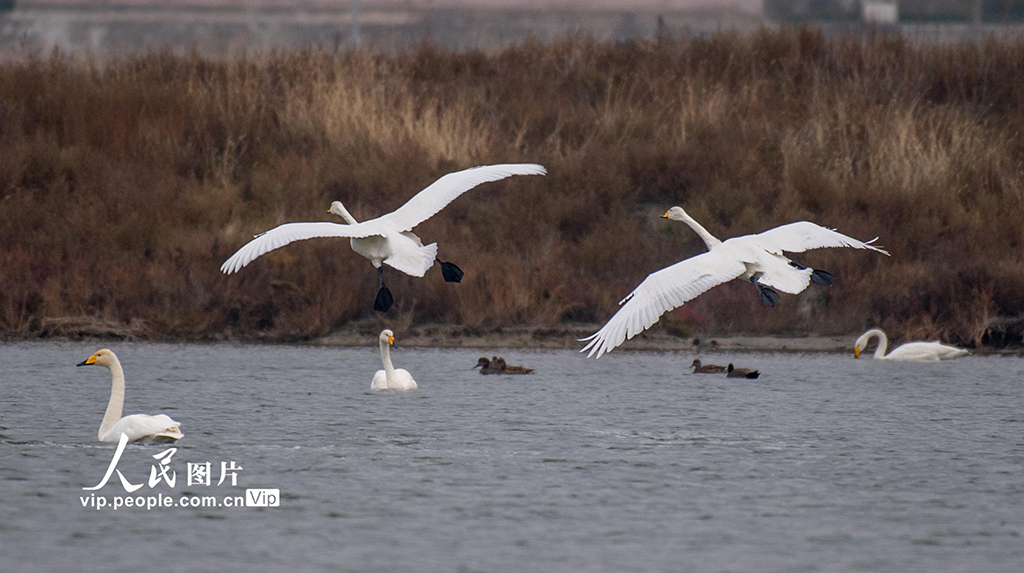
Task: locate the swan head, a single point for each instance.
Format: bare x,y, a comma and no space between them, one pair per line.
387,336
675,214
102,357
862,342
338,209
482,363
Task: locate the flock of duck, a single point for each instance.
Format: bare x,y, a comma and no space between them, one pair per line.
388,240
730,371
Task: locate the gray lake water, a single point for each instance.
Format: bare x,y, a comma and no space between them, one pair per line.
629,463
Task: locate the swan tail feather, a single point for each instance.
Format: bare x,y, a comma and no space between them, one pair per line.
413,262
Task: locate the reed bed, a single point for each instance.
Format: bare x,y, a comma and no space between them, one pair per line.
126,183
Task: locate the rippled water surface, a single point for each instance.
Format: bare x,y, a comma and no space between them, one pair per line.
629,463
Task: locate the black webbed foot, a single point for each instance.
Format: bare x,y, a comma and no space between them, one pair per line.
820,277
768,296
450,272
384,299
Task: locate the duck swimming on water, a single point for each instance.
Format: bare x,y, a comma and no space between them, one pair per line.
487,366
498,366
699,368
512,368
741,372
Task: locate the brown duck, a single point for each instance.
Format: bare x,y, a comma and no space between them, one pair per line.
487,366
498,366
512,368
742,372
699,368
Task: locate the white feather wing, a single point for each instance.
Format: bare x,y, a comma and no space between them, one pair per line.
380,381
804,236
435,197
661,292
143,426
291,232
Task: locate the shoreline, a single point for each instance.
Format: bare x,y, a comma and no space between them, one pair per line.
548,337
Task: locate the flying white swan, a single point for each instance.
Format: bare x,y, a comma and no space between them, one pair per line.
916,351
758,258
138,427
387,239
390,378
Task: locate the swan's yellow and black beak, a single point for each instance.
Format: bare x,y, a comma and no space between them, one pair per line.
88,361
391,340
665,216
856,352
328,210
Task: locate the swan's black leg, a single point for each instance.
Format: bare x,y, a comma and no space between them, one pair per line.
450,272
384,299
820,277
767,295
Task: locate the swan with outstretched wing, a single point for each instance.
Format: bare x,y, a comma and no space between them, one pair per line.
757,258
388,239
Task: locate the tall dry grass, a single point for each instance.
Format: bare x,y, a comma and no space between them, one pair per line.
125,185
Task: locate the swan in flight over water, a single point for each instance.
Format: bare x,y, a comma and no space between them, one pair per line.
757,258
387,239
915,351
138,427
390,378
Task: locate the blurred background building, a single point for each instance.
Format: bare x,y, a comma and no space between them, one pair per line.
223,26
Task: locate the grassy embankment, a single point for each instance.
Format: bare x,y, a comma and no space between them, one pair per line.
125,185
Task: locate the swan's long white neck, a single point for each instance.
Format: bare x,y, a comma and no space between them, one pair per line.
883,342
116,403
338,209
710,240
385,357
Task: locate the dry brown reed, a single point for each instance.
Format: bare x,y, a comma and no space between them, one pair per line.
125,184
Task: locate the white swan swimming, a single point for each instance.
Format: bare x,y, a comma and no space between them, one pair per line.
138,427
758,258
916,351
387,239
390,378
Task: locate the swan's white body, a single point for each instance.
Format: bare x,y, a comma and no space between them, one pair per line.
138,427
911,351
390,378
387,239
757,256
